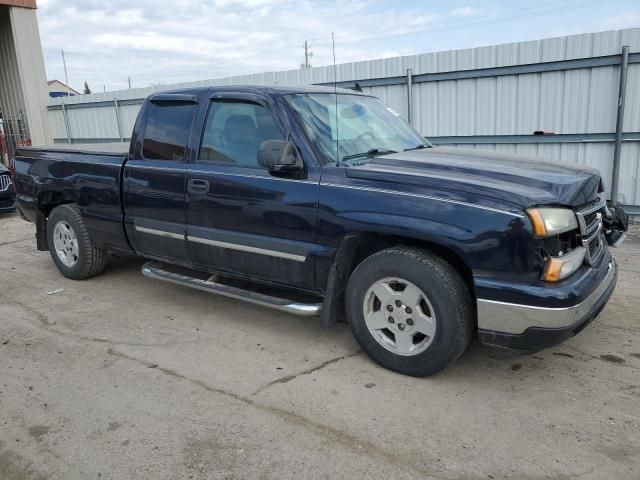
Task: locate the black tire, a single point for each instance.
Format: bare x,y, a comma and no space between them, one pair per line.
447,293
91,260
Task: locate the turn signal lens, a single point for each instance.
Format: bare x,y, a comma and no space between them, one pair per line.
537,222
559,268
548,221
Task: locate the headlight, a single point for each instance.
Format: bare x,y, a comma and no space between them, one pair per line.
561,267
549,221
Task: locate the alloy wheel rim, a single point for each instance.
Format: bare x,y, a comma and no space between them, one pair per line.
399,316
65,243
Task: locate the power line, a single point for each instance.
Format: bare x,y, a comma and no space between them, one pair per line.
499,18
553,7
541,9
225,63
255,55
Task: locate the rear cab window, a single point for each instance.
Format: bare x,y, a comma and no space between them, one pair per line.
167,130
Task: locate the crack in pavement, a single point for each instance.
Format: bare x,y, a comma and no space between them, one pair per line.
345,439
349,441
42,318
288,378
617,327
48,326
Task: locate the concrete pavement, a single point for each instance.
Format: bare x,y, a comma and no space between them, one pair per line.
123,377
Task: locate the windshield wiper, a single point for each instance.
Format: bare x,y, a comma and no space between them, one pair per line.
369,153
418,147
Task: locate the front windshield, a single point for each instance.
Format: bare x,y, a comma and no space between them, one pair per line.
363,127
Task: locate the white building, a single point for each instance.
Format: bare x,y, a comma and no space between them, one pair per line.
59,89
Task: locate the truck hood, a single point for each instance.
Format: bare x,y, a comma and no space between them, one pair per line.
525,181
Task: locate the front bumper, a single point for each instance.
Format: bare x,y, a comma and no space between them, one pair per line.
7,200
529,329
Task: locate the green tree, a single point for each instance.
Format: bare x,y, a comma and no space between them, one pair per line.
87,90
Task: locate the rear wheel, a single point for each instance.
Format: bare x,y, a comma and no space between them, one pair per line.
409,310
70,245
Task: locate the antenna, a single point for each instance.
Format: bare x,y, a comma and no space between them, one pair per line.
335,91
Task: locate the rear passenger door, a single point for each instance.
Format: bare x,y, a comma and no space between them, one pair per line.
155,175
240,217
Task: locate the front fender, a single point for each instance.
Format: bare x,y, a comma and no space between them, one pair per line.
487,238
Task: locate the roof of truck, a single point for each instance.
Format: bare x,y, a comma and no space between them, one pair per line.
268,89
122,148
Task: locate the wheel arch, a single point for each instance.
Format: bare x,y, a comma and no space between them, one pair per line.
47,201
51,199
355,247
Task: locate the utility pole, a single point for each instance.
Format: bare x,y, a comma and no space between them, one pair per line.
129,79
66,76
307,55
622,93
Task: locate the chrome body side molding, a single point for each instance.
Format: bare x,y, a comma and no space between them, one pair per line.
248,248
159,233
287,255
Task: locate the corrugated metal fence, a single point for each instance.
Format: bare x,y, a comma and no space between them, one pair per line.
488,98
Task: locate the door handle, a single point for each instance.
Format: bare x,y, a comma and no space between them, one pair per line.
197,186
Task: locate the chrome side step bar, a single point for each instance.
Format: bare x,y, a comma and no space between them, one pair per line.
156,271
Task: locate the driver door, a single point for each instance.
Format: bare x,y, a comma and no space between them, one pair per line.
240,217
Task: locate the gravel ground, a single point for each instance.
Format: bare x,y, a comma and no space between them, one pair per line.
122,377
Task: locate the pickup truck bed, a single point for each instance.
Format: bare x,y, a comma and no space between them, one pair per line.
76,174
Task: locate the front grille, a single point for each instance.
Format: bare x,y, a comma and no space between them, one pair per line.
594,246
596,249
590,221
5,181
590,218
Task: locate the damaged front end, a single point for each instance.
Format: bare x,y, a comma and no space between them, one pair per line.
566,239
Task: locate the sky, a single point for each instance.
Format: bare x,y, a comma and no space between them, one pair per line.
160,42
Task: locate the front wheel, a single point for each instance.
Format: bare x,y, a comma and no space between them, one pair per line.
409,310
70,245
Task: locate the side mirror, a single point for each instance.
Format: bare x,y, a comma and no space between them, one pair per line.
279,156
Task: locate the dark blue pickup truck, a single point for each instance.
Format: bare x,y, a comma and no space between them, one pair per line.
325,202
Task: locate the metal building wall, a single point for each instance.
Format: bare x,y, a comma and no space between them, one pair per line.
11,91
484,111
24,23
23,92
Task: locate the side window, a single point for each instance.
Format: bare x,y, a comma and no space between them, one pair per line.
167,130
234,132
